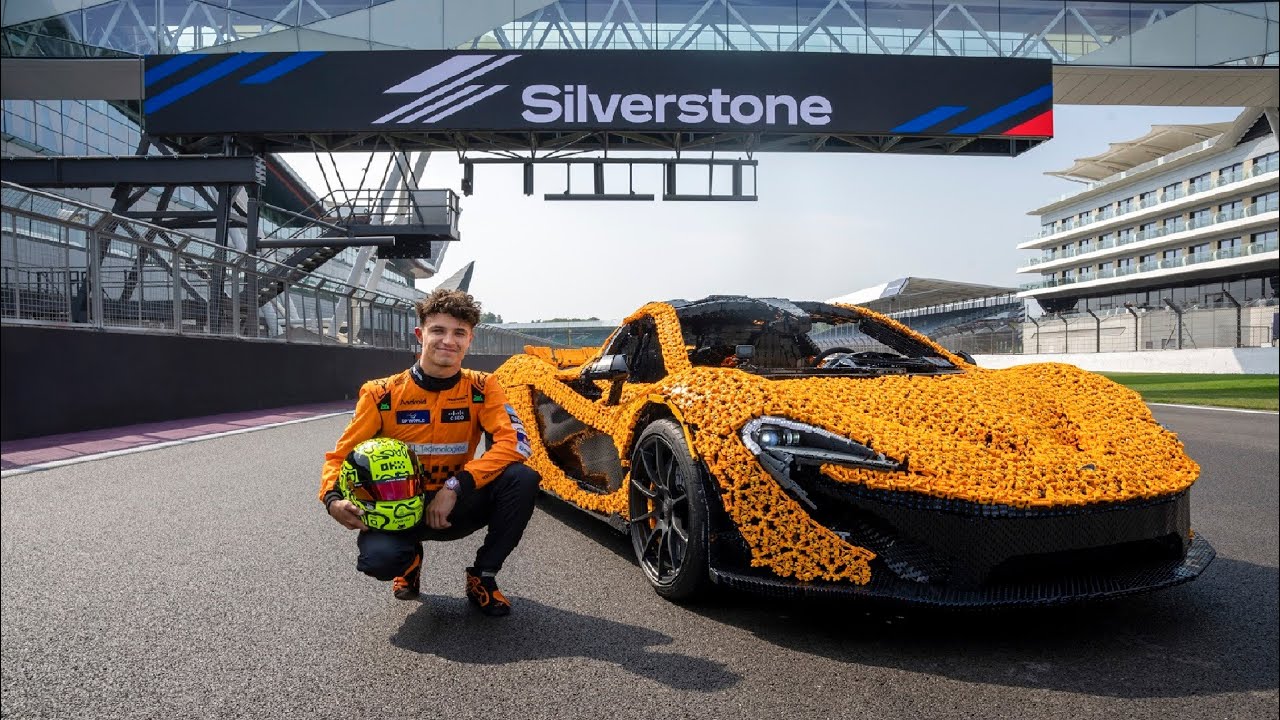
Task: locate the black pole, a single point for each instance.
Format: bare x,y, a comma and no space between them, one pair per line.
1239,318
1134,313
1178,312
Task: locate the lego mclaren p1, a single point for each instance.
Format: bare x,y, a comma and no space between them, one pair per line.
805,448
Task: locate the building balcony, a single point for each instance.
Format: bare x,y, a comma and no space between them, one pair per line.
1195,194
1197,262
1223,222
1228,178
1157,238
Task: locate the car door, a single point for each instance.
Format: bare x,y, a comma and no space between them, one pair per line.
585,453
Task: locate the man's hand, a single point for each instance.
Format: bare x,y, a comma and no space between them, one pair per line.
347,513
440,507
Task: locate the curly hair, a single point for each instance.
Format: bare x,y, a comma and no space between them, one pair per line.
455,303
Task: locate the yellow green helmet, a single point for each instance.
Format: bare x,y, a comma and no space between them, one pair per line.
381,476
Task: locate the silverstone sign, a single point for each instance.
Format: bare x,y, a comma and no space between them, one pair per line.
429,91
545,104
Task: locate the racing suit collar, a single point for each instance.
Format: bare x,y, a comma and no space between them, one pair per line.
433,384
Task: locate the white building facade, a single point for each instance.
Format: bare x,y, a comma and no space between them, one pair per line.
1182,218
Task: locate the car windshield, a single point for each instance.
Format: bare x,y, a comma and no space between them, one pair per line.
784,339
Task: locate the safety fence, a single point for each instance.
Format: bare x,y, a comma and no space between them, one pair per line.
64,262
67,263
1250,324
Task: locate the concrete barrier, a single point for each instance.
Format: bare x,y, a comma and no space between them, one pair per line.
1218,361
60,380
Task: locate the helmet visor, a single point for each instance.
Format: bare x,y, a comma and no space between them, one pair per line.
390,490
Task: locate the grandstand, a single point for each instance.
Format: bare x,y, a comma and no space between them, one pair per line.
962,317
567,333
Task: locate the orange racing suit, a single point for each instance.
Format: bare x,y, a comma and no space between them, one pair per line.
441,420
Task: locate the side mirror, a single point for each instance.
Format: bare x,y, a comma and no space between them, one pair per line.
608,367
965,357
744,353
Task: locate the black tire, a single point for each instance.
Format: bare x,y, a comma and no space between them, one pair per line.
668,504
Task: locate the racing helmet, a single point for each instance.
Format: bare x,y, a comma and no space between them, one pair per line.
381,476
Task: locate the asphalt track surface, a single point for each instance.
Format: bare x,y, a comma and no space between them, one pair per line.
204,580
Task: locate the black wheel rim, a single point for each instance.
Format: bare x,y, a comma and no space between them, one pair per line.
659,511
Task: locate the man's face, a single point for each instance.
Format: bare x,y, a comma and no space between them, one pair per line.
445,340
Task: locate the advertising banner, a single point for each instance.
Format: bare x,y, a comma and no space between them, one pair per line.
582,90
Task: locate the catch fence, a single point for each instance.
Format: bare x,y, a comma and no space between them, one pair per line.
1250,324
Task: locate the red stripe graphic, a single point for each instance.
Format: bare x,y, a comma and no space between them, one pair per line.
1038,126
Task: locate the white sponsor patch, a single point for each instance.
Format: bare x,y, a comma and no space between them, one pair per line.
438,448
522,438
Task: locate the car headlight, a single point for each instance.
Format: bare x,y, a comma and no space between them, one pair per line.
795,442
783,445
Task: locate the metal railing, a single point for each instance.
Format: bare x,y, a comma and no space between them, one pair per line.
67,263
1164,198
332,214
1191,259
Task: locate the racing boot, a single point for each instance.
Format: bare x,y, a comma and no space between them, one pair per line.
406,587
483,592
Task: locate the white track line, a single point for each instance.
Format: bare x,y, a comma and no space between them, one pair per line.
186,441
1212,407
157,446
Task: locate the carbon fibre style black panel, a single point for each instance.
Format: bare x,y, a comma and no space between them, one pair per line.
554,422
582,452
1061,590
945,553
600,459
965,544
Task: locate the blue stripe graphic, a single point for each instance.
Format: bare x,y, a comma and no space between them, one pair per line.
271,72
195,82
931,118
1035,97
170,66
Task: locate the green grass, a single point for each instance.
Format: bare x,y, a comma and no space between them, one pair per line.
1253,392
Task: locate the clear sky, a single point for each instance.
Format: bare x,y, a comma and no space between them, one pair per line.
826,224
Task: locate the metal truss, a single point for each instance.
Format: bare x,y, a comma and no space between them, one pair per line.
1063,32
718,22
394,220
230,185
174,26
149,171
528,148
550,144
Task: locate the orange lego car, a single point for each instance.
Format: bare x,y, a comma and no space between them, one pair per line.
792,447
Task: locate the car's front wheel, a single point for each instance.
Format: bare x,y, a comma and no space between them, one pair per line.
667,500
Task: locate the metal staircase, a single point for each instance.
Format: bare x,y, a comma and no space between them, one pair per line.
415,218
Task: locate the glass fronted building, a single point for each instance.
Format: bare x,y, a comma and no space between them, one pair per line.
1186,214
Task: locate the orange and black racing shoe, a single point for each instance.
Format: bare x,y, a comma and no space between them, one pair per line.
483,592
406,586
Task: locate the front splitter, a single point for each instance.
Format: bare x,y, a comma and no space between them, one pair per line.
1072,589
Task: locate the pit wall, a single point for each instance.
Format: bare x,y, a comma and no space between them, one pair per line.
1224,361
62,380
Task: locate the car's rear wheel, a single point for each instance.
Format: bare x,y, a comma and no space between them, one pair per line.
667,499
